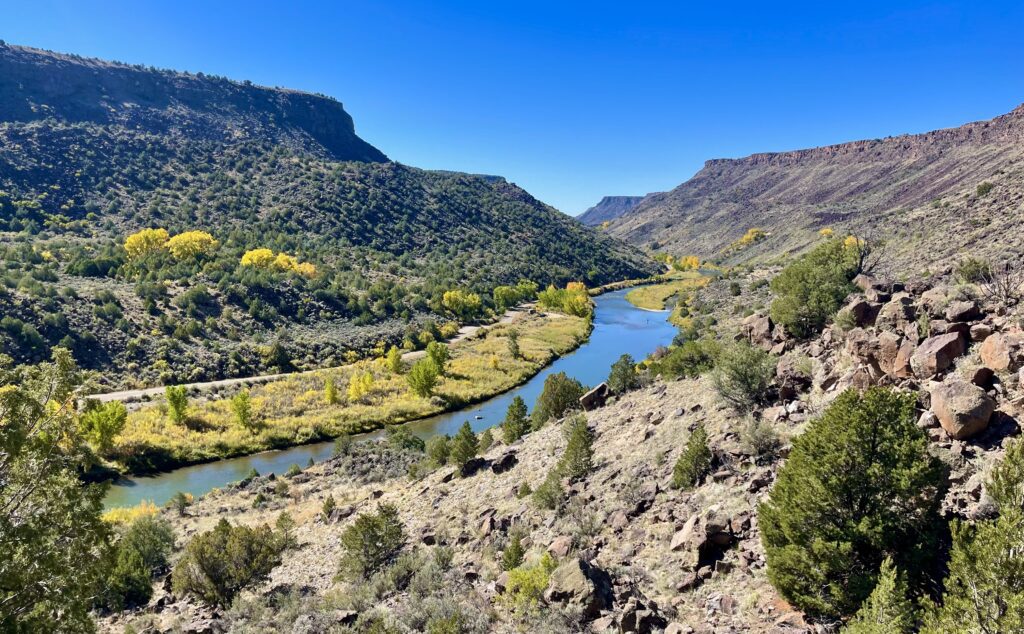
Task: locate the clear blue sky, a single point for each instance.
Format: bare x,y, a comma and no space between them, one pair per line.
575,101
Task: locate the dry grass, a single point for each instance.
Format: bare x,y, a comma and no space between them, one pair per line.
293,410
656,296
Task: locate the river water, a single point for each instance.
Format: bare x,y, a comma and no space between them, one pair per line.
619,328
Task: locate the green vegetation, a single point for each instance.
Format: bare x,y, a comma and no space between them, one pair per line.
983,189
689,359
371,543
141,551
810,290
423,377
680,286
438,449
743,375
219,563
52,540
561,394
971,270
439,354
328,508
464,446
293,410
578,458
526,585
695,461
858,486
512,556
623,375
517,422
177,402
241,406
888,610
571,300
101,422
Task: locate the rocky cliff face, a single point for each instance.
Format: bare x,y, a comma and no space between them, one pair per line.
916,191
608,208
37,85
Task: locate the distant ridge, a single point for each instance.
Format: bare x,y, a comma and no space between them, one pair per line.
608,208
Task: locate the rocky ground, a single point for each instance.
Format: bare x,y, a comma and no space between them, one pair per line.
634,554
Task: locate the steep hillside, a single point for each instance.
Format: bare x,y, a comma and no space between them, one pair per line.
608,208
915,191
91,152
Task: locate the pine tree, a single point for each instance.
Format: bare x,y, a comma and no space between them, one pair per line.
695,461
622,377
516,422
328,508
888,610
578,459
512,556
858,486
464,446
486,440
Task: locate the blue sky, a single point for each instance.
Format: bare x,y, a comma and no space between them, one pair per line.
577,100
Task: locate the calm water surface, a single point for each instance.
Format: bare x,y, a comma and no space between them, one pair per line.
619,328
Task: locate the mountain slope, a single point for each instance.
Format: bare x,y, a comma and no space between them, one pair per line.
608,208
91,152
919,192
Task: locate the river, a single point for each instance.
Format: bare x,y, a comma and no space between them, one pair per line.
619,328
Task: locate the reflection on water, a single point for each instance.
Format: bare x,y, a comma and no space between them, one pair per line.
619,328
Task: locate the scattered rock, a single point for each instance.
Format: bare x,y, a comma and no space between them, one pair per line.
1002,352
595,398
937,354
963,311
581,586
963,409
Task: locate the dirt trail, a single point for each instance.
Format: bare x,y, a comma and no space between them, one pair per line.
129,396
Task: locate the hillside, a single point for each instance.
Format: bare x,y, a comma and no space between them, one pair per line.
608,208
91,152
914,191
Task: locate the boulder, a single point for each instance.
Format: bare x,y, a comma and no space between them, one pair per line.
702,537
963,311
581,586
937,354
963,409
560,547
861,345
863,311
595,398
888,350
980,332
1003,352
896,313
934,302
901,367
504,462
864,282
757,329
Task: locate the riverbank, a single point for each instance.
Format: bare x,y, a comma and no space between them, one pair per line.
676,288
294,409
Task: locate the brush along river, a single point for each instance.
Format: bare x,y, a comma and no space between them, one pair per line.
619,328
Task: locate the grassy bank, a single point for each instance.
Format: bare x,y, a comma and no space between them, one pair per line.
294,410
675,284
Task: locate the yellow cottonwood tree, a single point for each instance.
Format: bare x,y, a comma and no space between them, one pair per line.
261,258
142,243
192,244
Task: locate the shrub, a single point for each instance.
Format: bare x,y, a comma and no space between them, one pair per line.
984,590
512,556
983,189
152,538
438,449
858,486
734,289
218,564
526,584
743,375
180,501
464,445
177,402
572,300
810,290
330,391
191,244
623,377
887,610
359,385
401,438
285,529
422,378
100,422
561,394
462,304
371,542
516,422
328,508
343,445
549,494
578,458
689,359
513,345
293,471
241,407
972,270
695,461
759,439
128,582
486,440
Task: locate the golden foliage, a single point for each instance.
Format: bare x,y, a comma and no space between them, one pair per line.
260,258
142,243
191,244
128,514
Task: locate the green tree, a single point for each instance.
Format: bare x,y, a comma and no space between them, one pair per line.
177,402
810,290
623,377
394,360
859,486
423,378
52,540
464,445
516,422
151,537
330,391
513,344
743,375
462,304
399,437
984,590
179,502
505,297
285,528
438,449
371,542
439,354
578,458
690,359
695,461
128,583
512,556
241,407
486,440
101,422
328,508
561,394
888,610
